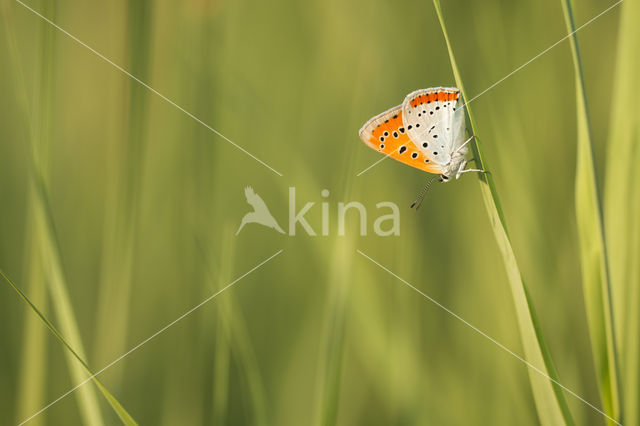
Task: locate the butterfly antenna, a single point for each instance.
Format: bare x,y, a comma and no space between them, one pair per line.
418,202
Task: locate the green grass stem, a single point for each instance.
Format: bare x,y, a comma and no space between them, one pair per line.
126,190
550,401
36,120
622,208
593,254
118,408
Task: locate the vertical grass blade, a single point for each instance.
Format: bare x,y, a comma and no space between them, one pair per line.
593,255
622,208
550,401
630,366
220,401
47,250
118,408
619,178
121,220
33,377
232,329
41,224
332,358
57,286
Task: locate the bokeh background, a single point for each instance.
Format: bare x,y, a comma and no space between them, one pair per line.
118,212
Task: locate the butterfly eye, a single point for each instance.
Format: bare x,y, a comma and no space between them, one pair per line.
444,178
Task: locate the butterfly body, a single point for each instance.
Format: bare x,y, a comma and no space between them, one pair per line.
426,132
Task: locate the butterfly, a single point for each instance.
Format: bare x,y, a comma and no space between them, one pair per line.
426,132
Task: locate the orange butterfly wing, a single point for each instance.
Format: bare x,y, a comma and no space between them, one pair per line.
386,134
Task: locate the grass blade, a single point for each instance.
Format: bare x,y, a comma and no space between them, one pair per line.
220,400
64,310
595,273
118,408
622,209
232,328
122,221
33,377
338,309
631,357
330,368
41,224
37,135
550,402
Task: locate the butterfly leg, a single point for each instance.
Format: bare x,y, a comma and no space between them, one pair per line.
462,170
465,143
473,170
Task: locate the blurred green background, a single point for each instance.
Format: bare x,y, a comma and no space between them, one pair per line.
131,220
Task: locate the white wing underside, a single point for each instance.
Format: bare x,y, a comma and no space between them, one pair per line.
435,126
